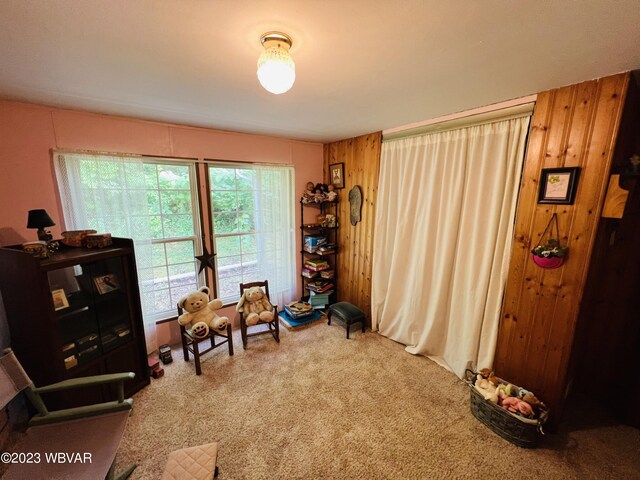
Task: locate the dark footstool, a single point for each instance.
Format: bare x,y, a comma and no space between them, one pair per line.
347,313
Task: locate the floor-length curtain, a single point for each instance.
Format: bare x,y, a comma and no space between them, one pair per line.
275,219
444,222
106,193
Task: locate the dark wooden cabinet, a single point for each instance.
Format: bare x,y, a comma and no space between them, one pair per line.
74,314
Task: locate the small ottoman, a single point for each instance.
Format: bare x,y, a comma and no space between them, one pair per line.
194,463
348,313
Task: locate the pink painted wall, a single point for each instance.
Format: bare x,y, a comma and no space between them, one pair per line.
29,132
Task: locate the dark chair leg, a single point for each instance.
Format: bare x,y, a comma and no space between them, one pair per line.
230,338
277,326
185,350
243,333
196,357
329,318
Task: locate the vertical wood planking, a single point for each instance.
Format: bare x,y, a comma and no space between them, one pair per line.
571,126
361,159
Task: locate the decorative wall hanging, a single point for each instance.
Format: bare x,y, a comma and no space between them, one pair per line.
558,185
549,254
336,175
355,201
206,260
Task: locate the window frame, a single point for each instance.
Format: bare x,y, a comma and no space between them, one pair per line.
197,226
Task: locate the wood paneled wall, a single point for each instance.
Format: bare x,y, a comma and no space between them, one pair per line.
361,159
571,126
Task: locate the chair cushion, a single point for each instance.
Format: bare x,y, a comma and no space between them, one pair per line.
193,463
347,311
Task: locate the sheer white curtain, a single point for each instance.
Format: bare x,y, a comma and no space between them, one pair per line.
444,222
275,222
106,193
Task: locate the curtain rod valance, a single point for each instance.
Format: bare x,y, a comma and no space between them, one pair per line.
229,163
500,115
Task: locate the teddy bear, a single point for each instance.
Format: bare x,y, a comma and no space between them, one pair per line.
515,405
486,389
532,400
488,374
255,306
201,313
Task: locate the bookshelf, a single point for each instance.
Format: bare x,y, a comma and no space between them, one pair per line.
319,240
75,314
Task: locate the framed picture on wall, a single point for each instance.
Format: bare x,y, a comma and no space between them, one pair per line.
336,175
558,185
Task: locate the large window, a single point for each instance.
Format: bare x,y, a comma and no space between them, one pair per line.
172,207
155,202
234,224
253,225
152,201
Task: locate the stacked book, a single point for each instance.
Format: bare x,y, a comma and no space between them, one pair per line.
316,265
319,300
327,249
327,274
320,286
309,273
298,310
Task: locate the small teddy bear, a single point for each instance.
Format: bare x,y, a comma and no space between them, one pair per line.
255,306
515,405
201,313
486,389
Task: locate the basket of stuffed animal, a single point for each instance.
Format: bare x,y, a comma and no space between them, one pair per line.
510,411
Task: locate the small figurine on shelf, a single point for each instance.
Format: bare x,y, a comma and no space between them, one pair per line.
308,196
329,221
320,192
332,195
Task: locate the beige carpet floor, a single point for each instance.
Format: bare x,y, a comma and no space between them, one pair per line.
320,406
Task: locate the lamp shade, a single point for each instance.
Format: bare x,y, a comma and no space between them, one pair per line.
276,68
39,219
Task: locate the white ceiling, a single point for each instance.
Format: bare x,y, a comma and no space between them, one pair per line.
362,65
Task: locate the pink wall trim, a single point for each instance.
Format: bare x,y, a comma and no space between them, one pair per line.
29,132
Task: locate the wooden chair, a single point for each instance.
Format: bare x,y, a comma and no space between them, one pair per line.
274,325
89,435
190,343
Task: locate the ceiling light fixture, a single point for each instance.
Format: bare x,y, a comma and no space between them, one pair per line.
276,69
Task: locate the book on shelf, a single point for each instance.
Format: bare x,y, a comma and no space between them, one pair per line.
327,274
309,273
327,247
316,263
317,267
319,286
318,298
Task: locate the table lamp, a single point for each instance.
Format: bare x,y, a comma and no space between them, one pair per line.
40,219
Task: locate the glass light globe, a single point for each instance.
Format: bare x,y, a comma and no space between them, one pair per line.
276,70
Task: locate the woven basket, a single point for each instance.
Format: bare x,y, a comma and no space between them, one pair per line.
520,431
